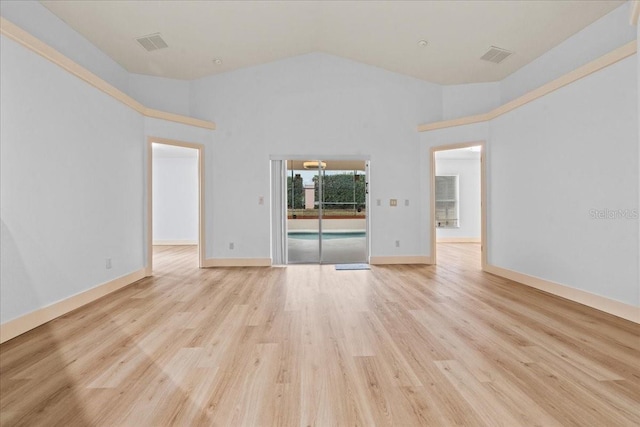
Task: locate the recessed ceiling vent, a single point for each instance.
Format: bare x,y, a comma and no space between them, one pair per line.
496,55
152,42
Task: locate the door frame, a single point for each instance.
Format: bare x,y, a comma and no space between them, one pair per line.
201,202
483,196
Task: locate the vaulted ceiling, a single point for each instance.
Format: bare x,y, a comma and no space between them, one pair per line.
379,33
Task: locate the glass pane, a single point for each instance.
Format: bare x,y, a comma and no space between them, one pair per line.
343,215
446,202
302,216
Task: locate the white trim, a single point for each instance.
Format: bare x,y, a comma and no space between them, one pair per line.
409,259
22,324
237,262
635,12
368,210
458,239
175,242
598,302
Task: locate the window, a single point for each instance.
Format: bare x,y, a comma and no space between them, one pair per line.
447,202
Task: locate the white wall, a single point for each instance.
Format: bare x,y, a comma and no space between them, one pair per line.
328,107
552,161
469,99
468,172
36,19
601,37
163,94
72,190
175,195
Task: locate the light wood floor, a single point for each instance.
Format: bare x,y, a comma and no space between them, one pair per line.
308,345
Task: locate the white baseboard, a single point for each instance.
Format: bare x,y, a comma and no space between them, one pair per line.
175,242
237,262
413,259
22,324
617,308
458,240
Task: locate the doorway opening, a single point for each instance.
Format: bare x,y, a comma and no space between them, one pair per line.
458,204
326,211
175,203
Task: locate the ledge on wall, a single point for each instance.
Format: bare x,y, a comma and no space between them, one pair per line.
34,44
598,64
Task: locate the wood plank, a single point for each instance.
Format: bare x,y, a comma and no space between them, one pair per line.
408,345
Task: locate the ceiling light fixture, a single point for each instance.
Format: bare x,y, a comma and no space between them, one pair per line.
217,61
423,43
314,165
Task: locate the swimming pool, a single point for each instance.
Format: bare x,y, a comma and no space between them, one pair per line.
326,235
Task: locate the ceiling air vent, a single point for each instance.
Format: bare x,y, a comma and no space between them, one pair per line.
152,42
496,55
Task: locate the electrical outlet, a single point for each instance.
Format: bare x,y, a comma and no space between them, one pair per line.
108,263
397,243
232,245
406,202
378,202
393,202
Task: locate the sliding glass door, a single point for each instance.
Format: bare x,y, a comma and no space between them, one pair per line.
326,211
303,213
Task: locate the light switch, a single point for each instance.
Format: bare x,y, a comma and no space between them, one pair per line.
393,202
261,200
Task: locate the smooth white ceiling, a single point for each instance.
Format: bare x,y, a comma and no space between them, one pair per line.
380,33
